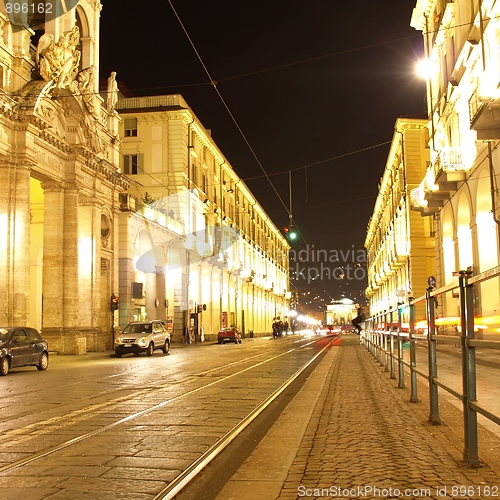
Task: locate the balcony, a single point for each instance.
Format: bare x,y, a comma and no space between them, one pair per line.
418,202
441,181
484,115
449,168
400,254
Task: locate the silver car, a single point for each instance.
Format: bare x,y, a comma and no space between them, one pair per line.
143,336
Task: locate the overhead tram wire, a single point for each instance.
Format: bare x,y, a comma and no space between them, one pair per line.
214,84
305,167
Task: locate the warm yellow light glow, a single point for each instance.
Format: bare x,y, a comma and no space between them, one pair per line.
424,69
421,325
488,87
465,246
450,320
4,226
85,257
308,320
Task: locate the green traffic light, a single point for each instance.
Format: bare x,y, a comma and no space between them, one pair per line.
293,235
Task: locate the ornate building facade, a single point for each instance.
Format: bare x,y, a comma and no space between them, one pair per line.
59,180
460,189
195,245
399,242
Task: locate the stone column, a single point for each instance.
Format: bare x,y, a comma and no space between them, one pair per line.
126,268
60,269
14,244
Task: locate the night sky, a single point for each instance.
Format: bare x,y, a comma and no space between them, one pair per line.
310,83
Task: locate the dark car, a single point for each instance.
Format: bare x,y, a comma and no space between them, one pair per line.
143,336
230,334
22,346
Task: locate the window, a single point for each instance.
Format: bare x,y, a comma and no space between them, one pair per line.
34,335
21,336
132,164
130,127
194,173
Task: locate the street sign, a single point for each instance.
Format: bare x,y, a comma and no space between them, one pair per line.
431,281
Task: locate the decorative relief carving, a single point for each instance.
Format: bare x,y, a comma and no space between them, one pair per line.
47,159
108,171
91,133
59,61
85,87
96,4
47,112
54,141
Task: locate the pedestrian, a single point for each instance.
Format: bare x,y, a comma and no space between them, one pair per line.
360,318
285,327
275,328
280,328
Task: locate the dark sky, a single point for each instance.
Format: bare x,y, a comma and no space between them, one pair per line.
306,81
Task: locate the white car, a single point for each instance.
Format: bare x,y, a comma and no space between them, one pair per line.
143,336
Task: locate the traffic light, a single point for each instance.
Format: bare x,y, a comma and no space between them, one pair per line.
290,233
115,302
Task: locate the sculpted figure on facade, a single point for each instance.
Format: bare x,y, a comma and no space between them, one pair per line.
85,86
59,61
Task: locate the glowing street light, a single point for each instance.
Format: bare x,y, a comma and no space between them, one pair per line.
424,68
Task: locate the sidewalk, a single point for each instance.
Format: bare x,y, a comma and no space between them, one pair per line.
351,433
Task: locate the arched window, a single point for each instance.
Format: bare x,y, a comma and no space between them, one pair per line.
86,59
79,47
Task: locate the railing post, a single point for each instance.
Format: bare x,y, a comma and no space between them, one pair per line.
470,454
431,348
391,339
373,339
383,341
401,367
413,355
386,353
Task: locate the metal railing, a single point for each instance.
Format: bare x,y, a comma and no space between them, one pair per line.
384,338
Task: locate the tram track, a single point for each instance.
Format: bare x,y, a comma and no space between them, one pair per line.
107,393
54,423
69,422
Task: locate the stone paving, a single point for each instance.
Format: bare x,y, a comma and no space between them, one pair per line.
364,439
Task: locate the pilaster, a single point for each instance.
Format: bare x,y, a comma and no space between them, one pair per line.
14,244
89,218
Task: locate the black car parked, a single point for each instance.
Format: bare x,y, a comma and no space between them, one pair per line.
22,346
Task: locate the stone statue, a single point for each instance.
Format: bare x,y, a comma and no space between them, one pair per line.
112,95
85,84
59,61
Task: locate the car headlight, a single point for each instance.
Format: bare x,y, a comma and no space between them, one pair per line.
142,341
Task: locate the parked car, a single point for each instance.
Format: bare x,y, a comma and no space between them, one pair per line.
230,334
143,336
22,346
